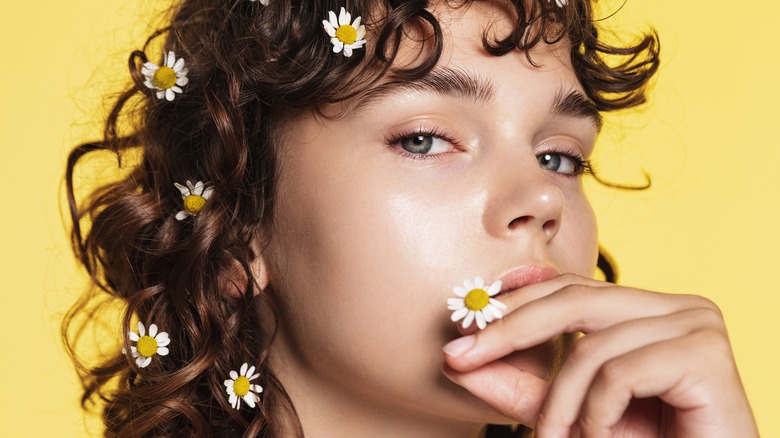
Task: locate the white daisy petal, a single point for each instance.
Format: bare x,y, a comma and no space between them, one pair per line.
256,388
479,282
169,95
133,336
249,372
347,51
361,33
233,401
208,192
162,351
459,291
160,94
178,65
329,28
468,319
141,329
498,304
480,317
162,337
468,285
228,384
455,302
180,216
460,313
494,288
149,84
233,375
171,59
175,89
344,17
153,330
182,81
493,312
332,19
356,24
198,188
249,398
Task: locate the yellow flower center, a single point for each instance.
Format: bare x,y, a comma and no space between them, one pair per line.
477,299
147,346
164,77
241,386
194,203
346,34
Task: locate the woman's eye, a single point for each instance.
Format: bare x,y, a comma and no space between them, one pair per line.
424,144
562,163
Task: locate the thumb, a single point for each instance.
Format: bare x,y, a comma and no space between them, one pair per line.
512,392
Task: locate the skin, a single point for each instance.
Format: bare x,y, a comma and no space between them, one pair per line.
369,240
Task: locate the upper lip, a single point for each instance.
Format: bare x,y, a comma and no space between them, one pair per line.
520,276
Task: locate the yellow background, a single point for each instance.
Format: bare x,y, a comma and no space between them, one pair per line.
708,226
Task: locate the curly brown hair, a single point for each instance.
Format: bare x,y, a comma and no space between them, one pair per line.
251,68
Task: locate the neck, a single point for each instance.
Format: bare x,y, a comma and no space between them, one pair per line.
326,409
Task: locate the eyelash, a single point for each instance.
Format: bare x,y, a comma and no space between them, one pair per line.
393,140
582,165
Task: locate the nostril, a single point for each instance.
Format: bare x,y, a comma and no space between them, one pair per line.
550,226
519,222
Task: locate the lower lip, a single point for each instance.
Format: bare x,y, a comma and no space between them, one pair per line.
525,275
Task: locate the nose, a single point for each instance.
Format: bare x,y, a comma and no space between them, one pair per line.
525,201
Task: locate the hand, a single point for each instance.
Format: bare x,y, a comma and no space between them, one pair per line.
670,351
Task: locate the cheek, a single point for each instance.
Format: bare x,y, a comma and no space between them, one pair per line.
577,241
358,269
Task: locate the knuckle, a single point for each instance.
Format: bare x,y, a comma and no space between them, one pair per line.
611,372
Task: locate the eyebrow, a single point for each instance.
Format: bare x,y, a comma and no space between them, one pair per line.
455,83
445,81
575,104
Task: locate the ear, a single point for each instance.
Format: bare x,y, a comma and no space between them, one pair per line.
235,282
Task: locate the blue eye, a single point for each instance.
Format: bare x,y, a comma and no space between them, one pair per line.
418,144
562,163
424,143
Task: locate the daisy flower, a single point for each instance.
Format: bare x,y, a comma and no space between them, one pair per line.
147,346
167,78
263,2
238,387
194,198
343,35
474,302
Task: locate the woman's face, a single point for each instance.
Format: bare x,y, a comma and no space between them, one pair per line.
425,184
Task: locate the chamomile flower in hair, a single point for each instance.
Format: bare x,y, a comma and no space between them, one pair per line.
344,36
167,78
147,345
239,387
193,198
475,302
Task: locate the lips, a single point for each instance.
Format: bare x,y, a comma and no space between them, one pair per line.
525,275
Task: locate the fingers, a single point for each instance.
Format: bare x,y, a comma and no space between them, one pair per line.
637,344
540,312
516,394
592,353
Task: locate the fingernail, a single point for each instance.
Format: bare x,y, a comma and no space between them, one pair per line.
459,346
